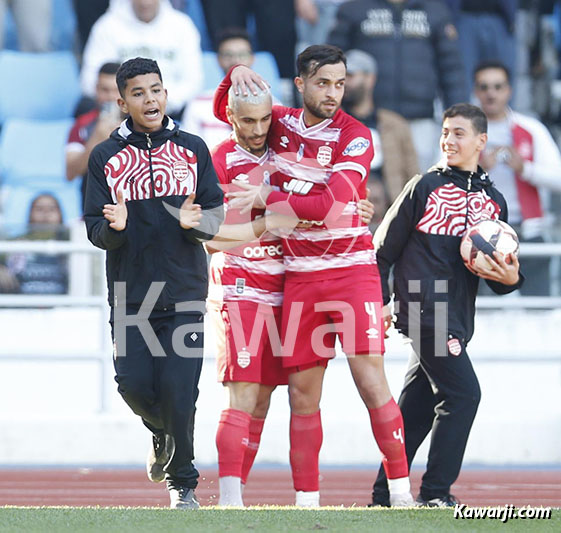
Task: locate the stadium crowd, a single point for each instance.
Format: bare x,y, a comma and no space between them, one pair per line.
401,83
407,60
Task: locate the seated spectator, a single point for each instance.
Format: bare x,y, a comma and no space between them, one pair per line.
524,163
153,29
33,22
38,273
234,48
94,126
395,159
416,46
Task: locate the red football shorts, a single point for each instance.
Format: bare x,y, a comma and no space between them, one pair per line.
248,337
315,313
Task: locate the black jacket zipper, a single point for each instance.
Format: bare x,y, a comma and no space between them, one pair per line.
149,142
467,201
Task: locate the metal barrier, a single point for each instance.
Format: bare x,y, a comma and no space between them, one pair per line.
81,294
82,270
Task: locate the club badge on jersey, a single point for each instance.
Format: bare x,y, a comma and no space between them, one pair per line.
324,155
180,170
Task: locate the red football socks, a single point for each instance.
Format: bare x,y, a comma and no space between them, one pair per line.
232,439
306,437
255,430
387,425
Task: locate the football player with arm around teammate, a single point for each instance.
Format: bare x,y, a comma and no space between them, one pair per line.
140,207
246,287
246,291
322,157
435,294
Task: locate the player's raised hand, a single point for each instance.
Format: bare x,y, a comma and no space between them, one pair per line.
245,81
117,213
499,270
365,209
251,197
190,213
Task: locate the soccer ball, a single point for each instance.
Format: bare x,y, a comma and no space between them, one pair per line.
484,238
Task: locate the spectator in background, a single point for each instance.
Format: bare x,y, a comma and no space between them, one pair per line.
274,21
33,22
524,162
395,160
38,273
86,15
416,46
486,31
234,48
315,19
94,126
154,29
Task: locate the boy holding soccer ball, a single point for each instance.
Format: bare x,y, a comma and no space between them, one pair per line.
434,297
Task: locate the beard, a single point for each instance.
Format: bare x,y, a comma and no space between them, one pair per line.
316,110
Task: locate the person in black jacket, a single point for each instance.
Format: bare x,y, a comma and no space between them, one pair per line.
140,207
435,294
415,44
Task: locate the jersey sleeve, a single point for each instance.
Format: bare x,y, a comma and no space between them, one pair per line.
350,168
355,150
220,100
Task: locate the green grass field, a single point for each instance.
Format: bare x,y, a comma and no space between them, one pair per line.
269,519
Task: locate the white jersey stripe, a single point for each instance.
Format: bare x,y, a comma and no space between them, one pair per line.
349,165
267,266
323,133
329,261
329,234
299,170
252,294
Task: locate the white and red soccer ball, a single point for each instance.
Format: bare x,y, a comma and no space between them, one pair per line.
486,237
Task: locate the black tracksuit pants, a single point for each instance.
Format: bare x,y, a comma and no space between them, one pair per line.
163,390
440,396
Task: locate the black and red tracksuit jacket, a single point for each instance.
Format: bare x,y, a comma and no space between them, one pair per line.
420,238
156,172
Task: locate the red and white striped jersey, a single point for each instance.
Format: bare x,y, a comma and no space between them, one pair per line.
329,162
253,271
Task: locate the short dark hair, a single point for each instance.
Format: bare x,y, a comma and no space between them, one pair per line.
316,56
492,63
471,112
232,33
109,68
135,67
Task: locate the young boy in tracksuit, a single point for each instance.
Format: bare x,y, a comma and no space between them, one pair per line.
142,186
435,297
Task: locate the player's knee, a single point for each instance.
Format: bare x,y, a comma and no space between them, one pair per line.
262,407
302,401
243,396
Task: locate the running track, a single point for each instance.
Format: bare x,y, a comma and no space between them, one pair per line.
127,487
